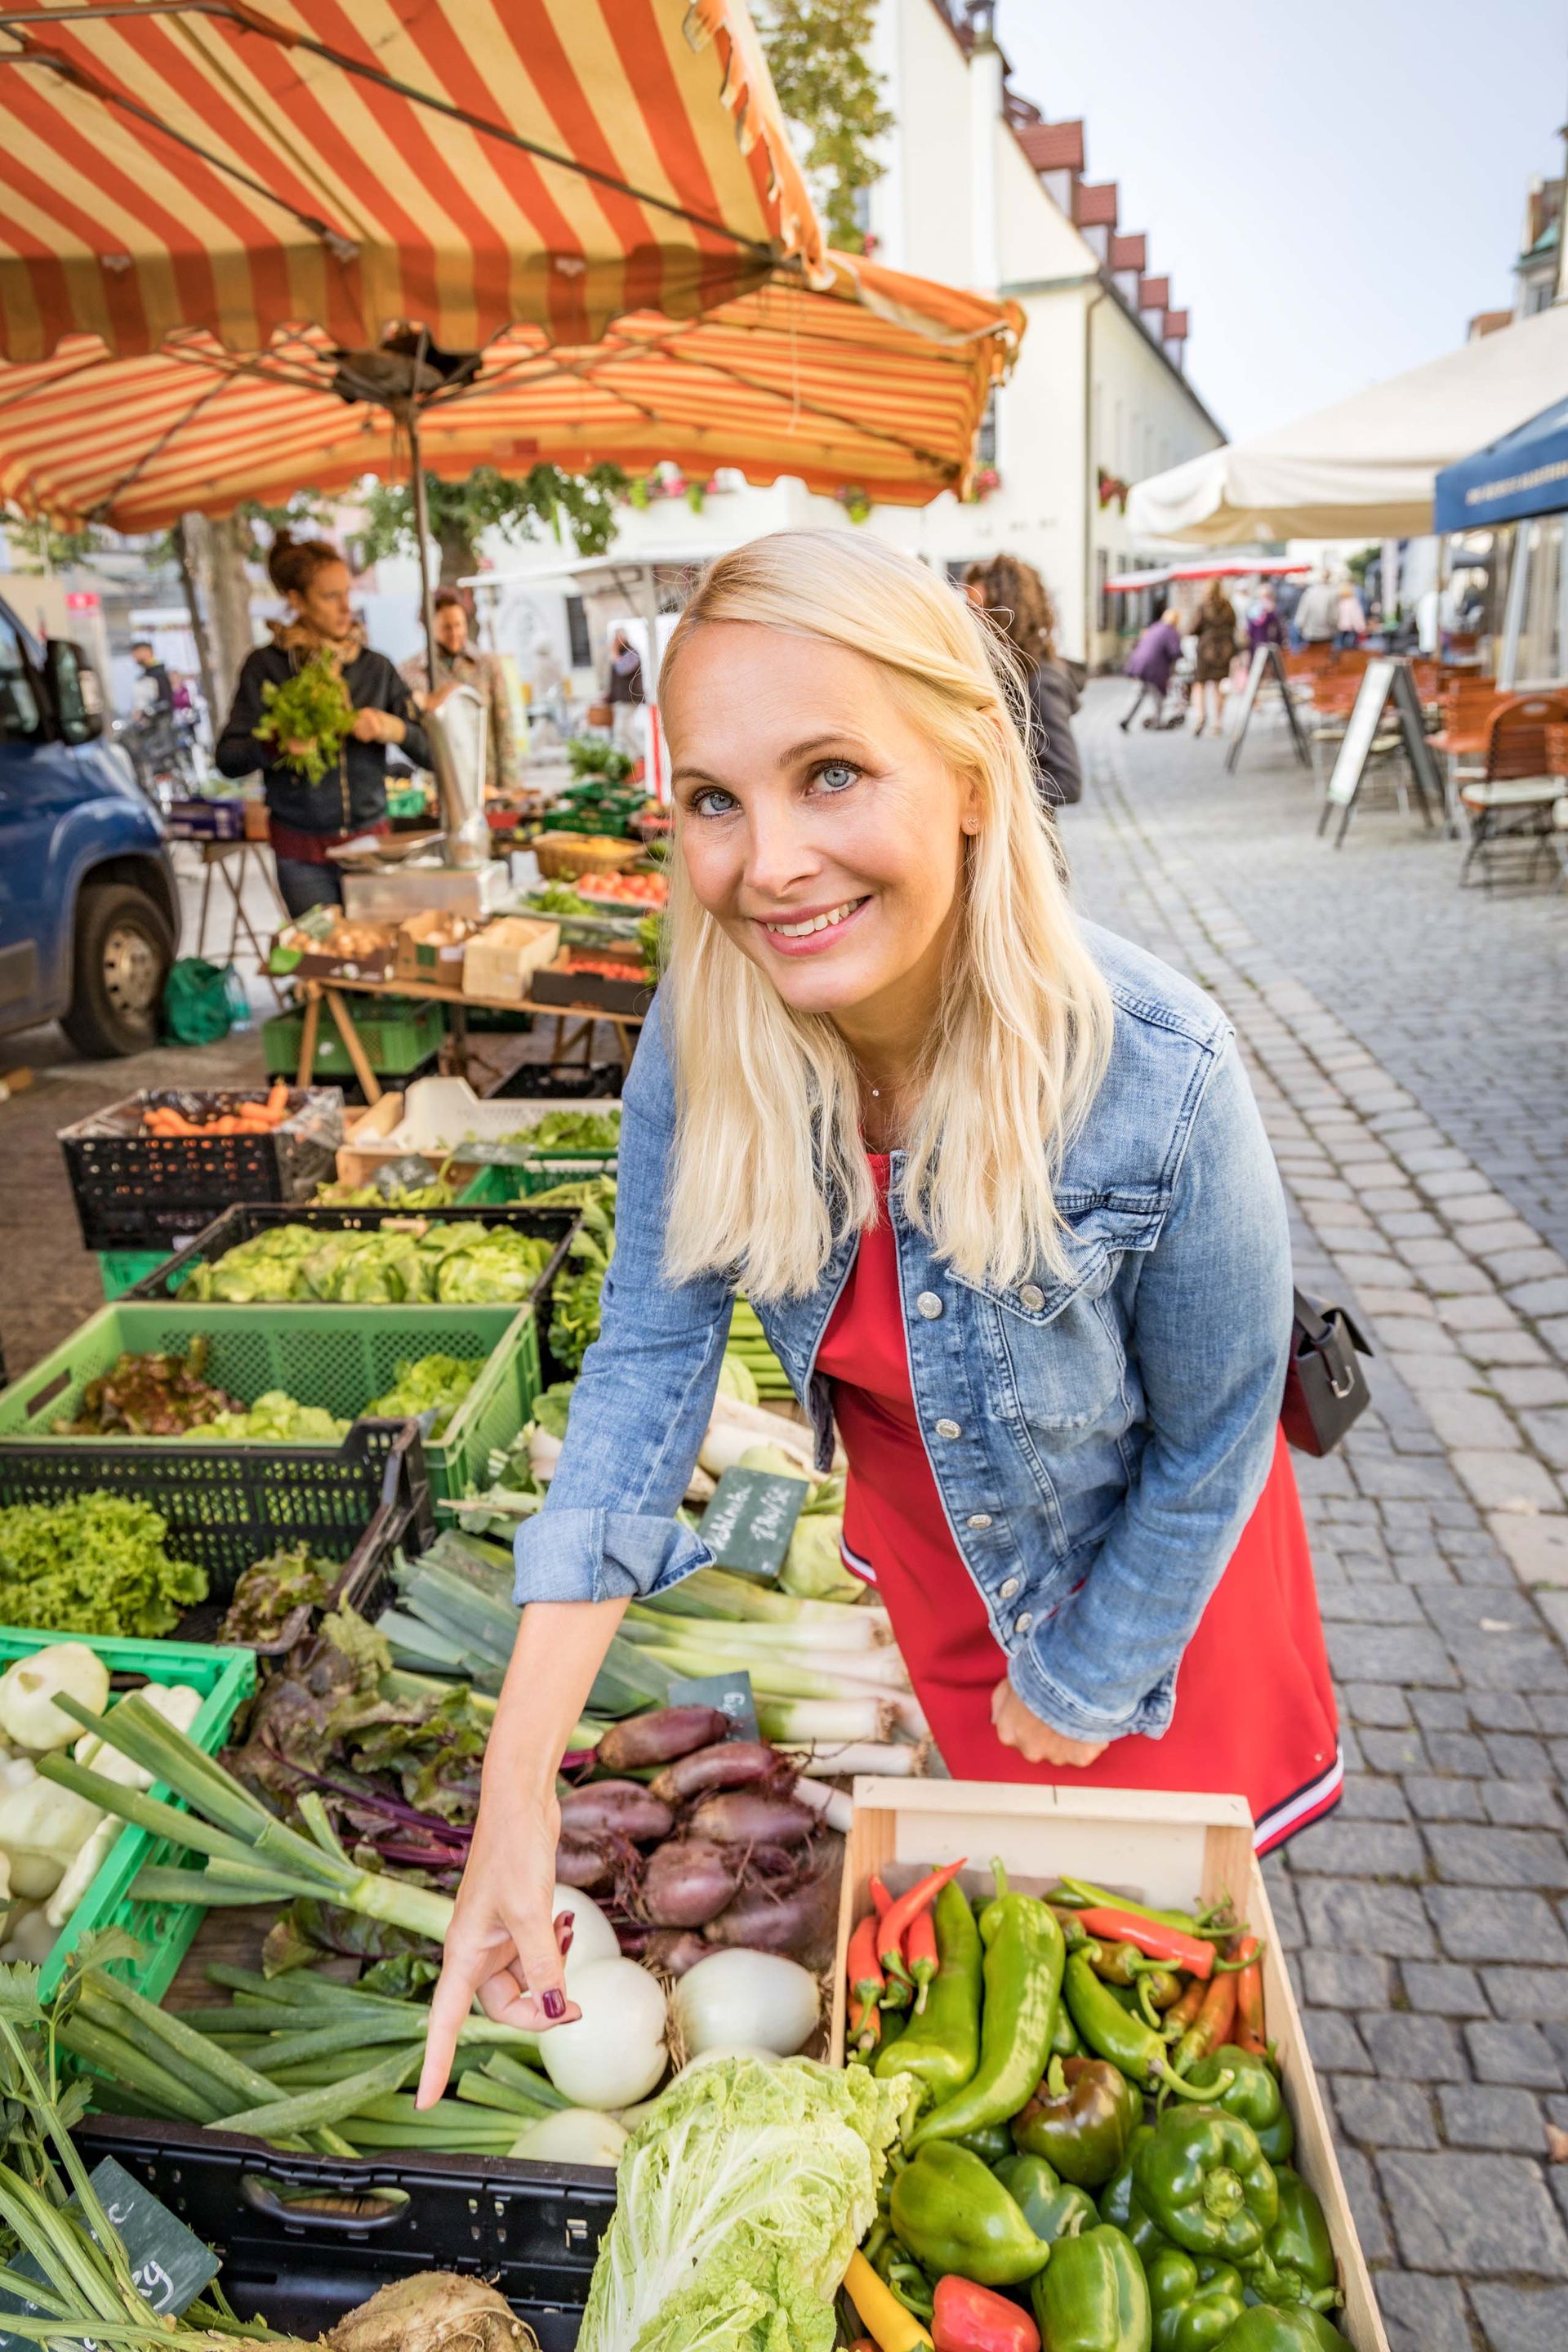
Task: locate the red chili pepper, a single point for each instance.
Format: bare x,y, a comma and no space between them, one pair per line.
1250,2032
1209,2028
890,1933
970,2318
1156,1941
881,1898
1182,2014
866,1983
920,1956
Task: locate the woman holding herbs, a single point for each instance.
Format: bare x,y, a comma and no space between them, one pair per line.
323,790
995,1183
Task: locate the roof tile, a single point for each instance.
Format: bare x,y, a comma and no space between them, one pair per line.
1153,293
1130,252
1095,207
1053,146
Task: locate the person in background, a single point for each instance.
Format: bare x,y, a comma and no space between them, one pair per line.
1264,627
1349,617
460,663
1150,662
625,692
1316,615
1014,598
1216,629
154,687
308,819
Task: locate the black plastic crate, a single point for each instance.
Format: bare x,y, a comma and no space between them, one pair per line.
565,1082
294,2252
245,1219
133,1191
227,1506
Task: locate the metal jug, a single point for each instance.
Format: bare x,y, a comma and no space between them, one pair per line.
459,732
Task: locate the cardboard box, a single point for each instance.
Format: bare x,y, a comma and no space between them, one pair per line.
594,991
428,949
1155,1847
371,953
499,963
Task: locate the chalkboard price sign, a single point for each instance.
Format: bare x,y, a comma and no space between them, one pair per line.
169,2263
750,1519
730,1694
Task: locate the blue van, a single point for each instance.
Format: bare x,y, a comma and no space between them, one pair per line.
89,913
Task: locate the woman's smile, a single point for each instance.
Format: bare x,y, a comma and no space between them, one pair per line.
811,930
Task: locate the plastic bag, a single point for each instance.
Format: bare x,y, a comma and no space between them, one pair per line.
200,1001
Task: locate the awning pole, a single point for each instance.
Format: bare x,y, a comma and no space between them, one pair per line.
422,537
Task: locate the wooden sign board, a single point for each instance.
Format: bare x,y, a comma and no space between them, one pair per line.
1386,678
730,1694
169,2265
750,1519
1267,662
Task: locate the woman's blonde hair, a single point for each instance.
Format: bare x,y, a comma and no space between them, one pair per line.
769,1169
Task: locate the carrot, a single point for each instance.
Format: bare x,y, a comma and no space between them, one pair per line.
1250,2032
276,1104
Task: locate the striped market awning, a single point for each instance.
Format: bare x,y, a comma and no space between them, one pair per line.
233,234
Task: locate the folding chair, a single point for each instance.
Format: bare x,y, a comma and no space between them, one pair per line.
1510,807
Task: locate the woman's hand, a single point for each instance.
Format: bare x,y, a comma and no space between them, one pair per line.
300,747
1016,1727
503,1944
377,726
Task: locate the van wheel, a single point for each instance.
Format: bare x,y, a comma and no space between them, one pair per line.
123,951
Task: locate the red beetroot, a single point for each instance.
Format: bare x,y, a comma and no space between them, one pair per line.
686,1883
659,1737
581,1865
617,1809
727,1764
801,1923
673,1950
752,1817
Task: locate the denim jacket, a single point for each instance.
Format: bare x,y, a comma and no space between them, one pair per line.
1097,1441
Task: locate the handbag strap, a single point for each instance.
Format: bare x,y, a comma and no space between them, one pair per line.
1317,1329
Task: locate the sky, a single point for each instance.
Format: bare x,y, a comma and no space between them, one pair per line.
1334,187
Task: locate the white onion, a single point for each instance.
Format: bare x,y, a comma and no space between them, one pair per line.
744,1996
614,2053
572,2136
592,1938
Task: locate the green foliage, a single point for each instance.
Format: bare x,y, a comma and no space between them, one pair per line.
312,708
36,546
518,505
816,51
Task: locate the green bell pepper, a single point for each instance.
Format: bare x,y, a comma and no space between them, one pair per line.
940,2047
1254,2094
1093,2296
1081,2119
1297,2264
1205,2181
991,2143
953,2214
1052,2207
1262,2329
1121,2206
1195,2305
1022,1975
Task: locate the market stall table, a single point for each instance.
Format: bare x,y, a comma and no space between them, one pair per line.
569,1043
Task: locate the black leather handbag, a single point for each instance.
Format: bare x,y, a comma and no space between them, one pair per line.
1325,1387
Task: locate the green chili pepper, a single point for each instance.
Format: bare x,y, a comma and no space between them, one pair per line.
1052,2207
1296,2264
992,2143
1093,2296
1081,2119
1192,2313
1254,2094
1022,1975
953,2214
1205,2181
941,2048
1112,2031
1088,1897
1121,2206
1262,2329
904,2277
1066,2041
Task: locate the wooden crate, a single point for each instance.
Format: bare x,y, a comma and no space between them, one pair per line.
1156,1848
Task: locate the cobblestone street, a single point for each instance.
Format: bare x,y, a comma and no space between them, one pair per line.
1408,1044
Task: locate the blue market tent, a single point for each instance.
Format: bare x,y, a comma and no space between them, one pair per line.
1524,474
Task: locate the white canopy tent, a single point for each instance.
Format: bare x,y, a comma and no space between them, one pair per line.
1364,467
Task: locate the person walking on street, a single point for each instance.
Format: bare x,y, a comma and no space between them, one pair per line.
624,693
1216,651
1317,614
308,819
1350,618
1150,662
1264,627
996,1183
1014,598
460,663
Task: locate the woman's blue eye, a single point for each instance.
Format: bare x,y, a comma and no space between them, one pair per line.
838,775
712,802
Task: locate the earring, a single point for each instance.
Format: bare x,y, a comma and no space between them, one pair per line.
972,825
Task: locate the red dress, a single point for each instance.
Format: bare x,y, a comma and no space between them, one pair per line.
1255,1709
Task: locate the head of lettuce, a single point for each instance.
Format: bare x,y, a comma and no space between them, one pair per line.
740,2199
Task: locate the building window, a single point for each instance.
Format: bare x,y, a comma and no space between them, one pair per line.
1103,615
985,447
578,646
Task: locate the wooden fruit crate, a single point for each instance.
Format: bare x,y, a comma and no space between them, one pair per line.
1156,1848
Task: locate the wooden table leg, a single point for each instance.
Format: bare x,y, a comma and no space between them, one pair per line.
307,1034
458,1032
352,1046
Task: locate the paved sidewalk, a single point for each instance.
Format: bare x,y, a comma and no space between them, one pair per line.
1409,1048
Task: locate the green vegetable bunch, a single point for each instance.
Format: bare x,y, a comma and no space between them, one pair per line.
464,1262
575,1316
274,1419
571,1131
559,898
590,755
94,1564
433,1384
312,708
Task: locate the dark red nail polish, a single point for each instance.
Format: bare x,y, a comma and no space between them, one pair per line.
554,2003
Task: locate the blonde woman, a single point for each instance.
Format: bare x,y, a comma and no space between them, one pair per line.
998,1188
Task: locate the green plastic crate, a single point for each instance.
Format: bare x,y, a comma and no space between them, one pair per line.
341,1360
397,1032
120,1270
164,1930
497,1188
